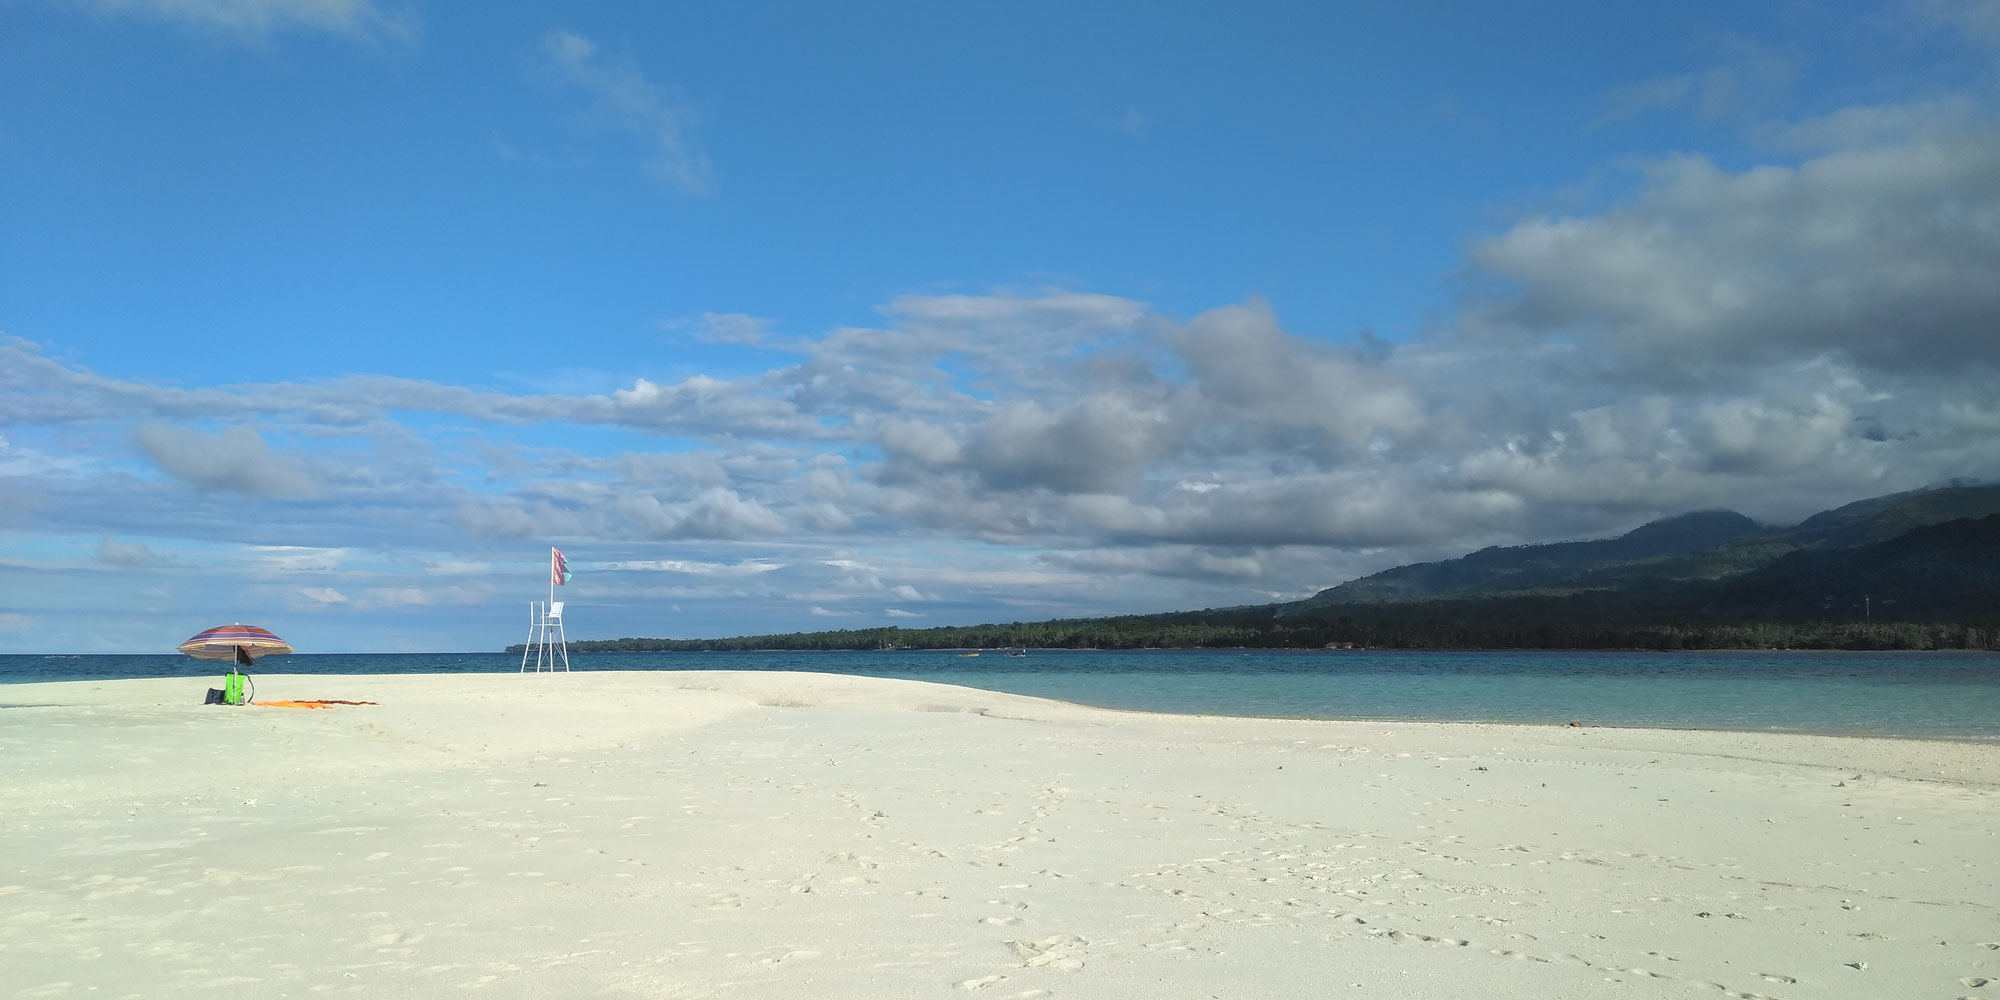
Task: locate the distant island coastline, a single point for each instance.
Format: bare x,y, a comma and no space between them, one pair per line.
1909,571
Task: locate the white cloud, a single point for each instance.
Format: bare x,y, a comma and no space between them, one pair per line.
295,559
1099,444
1978,19
1171,560
1748,80
682,468
252,20
1870,125
925,443
716,513
1270,387
113,552
625,100
724,328
235,461
899,613
459,567
693,568
321,596
1884,253
396,597
825,519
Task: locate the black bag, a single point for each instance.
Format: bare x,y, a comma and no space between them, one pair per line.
214,697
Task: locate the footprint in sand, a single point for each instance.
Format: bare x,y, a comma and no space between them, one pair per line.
975,985
1407,937
397,943
1058,951
790,956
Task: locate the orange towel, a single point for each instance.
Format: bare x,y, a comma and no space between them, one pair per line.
314,703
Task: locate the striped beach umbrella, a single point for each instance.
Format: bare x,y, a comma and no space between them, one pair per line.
235,642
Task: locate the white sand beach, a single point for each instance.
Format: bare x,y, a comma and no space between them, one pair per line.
767,835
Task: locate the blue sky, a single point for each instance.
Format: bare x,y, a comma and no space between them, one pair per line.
333,315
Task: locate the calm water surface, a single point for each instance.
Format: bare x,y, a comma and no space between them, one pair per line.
1938,695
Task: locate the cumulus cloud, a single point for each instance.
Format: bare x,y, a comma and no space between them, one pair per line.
653,468
623,99
1095,445
1883,253
1274,387
825,518
899,613
234,461
716,513
917,441
1869,125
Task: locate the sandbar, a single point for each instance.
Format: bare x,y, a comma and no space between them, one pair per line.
784,835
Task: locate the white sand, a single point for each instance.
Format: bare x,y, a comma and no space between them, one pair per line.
805,835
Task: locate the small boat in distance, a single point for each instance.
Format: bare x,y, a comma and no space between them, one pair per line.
968,654
1023,652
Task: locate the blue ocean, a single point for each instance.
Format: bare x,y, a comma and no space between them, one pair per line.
1931,695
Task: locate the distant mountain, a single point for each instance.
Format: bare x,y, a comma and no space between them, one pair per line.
1530,567
1915,570
1946,571
1886,517
1702,546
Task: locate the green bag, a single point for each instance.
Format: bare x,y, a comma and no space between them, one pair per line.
232,689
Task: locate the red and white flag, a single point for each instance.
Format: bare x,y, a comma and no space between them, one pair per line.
558,568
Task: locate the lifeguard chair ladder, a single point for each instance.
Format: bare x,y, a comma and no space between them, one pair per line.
546,638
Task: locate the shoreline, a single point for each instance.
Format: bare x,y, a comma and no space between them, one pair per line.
293,680
1277,651
1971,728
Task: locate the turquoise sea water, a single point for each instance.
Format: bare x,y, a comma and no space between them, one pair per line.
1936,695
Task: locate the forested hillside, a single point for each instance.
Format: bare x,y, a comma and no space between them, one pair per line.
1918,570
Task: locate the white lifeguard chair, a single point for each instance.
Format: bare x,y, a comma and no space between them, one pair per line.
546,638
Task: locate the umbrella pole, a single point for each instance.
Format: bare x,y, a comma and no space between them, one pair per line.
233,684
